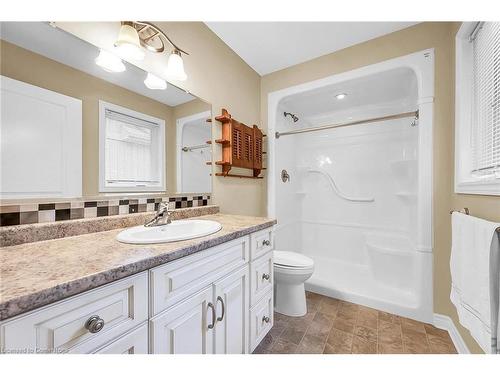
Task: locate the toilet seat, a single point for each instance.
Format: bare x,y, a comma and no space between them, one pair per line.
292,260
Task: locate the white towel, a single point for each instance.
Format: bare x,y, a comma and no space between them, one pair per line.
475,275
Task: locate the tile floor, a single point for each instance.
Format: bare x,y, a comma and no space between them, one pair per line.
333,326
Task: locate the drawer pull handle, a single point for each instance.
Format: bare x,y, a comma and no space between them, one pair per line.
266,319
266,276
266,242
219,319
211,305
94,324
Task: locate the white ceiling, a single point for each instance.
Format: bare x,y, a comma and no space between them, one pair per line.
271,46
67,49
379,94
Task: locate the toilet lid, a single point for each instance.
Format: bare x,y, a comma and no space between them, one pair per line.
292,259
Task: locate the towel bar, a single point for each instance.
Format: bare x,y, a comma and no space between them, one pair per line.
467,212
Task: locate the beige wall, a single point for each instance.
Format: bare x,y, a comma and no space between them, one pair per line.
439,36
191,108
29,67
215,74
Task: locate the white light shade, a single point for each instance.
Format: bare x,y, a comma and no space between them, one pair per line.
340,96
128,44
109,62
155,83
175,67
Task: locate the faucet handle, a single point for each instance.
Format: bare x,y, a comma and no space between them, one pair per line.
162,207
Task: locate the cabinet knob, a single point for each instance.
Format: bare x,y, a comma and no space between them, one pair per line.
94,324
266,242
266,319
266,276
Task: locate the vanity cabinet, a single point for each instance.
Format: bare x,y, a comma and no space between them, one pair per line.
212,321
216,301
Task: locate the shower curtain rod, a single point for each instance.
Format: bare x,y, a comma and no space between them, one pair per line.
190,148
341,125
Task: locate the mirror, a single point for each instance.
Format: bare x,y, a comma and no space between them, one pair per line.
80,122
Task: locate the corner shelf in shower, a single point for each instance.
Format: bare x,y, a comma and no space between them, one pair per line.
241,147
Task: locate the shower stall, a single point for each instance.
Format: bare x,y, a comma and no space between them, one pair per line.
350,182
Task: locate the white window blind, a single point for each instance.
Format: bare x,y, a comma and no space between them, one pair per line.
486,100
133,158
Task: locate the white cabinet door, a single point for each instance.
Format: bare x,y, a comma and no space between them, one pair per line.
185,328
232,305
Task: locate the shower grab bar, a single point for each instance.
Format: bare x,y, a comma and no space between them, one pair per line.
337,190
413,114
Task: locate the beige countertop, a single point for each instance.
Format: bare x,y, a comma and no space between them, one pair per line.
38,273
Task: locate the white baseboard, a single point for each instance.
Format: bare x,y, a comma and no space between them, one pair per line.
445,322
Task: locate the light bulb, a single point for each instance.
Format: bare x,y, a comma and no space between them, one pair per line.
154,82
109,62
175,67
128,44
340,96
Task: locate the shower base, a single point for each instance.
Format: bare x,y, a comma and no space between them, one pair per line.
355,283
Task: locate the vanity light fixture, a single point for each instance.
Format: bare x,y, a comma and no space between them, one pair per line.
155,83
340,96
109,62
128,43
149,36
175,66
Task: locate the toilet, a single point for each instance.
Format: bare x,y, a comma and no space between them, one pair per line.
291,270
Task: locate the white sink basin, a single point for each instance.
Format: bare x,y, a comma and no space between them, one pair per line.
176,231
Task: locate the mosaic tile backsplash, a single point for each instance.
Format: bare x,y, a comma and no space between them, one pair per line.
78,209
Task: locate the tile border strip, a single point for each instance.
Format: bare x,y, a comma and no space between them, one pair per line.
33,213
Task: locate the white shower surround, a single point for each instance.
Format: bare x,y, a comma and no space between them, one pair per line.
203,170
419,304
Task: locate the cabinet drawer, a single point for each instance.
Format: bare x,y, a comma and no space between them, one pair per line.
261,242
261,277
60,327
261,320
135,342
177,280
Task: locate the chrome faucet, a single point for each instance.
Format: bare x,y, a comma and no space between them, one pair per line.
162,216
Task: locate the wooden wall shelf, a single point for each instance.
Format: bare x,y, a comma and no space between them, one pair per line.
237,175
241,147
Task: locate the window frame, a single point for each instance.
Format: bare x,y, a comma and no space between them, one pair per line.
465,181
161,187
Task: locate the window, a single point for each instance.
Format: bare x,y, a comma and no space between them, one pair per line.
131,150
477,137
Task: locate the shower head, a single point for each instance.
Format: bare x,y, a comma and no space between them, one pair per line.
295,118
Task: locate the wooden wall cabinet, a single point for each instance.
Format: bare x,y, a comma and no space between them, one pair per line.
242,147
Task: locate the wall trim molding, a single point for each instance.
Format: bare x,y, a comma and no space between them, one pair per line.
445,322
